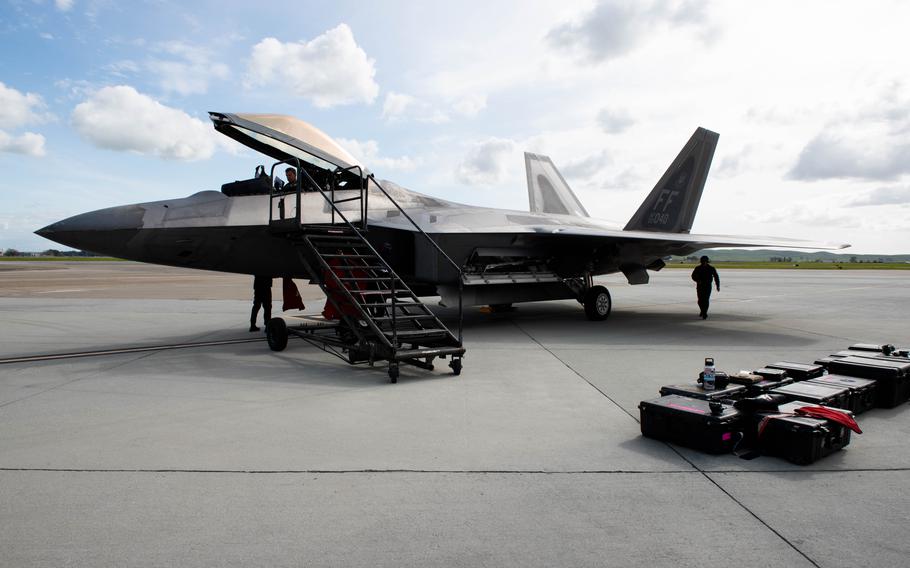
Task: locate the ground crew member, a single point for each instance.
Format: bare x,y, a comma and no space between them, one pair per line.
262,296
703,275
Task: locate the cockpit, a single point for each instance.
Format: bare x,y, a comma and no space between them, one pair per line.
317,161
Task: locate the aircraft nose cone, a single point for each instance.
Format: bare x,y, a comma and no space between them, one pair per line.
103,231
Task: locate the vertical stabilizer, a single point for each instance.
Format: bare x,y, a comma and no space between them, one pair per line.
548,192
671,205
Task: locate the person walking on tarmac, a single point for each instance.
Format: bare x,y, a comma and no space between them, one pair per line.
704,275
262,296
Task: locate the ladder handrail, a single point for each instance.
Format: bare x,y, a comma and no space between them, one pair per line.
457,268
365,191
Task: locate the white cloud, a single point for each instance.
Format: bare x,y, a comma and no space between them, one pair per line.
488,162
829,155
368,153
616,27
588,167
29,143
17,109
882,196
396,105
64,5
470,105
401,106
46,35
867,140
805,214
189,69
614,121
329,70
120,118
123,68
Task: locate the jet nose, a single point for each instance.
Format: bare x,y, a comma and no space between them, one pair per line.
103,231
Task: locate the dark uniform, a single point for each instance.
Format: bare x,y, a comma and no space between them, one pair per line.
704,275
262,296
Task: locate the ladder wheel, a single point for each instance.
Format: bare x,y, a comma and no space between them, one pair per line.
456,366
393,373
276,333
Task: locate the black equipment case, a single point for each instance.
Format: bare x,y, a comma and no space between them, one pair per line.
695,390
766,386
862,391
824,395
773,378
799,371
772,374
892,377
799,439
882,349
692,422
871,355
825,361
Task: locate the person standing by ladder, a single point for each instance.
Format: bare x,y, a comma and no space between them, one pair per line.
262,297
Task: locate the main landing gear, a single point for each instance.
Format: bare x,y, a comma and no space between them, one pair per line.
597,303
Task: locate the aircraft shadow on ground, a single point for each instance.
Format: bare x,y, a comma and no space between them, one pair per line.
564,323
549,323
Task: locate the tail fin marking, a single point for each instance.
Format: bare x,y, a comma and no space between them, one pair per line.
671,205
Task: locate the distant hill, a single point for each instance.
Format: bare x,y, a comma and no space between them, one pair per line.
769,255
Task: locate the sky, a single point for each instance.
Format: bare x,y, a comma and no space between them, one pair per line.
105,103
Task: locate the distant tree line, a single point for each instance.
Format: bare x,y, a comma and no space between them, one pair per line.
49,252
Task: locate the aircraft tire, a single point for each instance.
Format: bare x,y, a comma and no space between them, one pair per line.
598,303
276,333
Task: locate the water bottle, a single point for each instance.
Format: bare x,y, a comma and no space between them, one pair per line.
708,378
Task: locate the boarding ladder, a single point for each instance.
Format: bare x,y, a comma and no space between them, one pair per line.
379,316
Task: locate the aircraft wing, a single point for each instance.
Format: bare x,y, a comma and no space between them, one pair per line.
553,227
696,240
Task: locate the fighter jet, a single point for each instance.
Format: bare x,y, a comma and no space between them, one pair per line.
498,257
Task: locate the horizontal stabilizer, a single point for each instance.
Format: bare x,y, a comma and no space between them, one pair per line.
548,192
671,205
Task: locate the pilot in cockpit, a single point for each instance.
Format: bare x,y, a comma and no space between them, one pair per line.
291,174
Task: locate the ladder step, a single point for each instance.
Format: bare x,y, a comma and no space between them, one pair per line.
417,333
371,279
405,317
335,238
363,267
384,293
389,305
428,352
348,256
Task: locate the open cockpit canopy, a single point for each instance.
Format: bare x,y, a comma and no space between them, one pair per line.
286,138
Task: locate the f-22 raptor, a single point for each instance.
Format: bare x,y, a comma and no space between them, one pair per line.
497,257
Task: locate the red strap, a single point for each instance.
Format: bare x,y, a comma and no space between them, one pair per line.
830,414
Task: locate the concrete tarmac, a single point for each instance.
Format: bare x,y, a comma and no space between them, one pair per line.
233,455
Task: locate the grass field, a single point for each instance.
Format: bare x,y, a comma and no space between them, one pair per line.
802,265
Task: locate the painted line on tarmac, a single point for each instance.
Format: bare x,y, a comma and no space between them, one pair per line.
103,352
455,471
